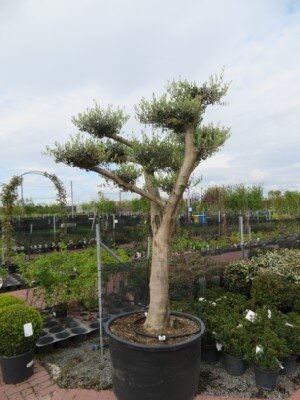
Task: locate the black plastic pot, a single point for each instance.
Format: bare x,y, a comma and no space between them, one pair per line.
45,344
209,353
64,339
289,364
60,312
233,365
167,371
18,368
266,378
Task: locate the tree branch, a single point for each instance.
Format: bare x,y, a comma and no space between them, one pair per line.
189,164
128,186
121,139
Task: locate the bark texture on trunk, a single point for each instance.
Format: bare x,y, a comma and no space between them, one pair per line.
158,314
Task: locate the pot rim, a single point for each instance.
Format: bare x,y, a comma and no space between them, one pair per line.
152,348
17,355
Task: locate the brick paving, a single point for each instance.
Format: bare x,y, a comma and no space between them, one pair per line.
41,387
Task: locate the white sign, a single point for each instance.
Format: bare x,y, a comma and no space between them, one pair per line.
28,331
250,316
162,337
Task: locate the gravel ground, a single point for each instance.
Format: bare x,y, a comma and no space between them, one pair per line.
81,366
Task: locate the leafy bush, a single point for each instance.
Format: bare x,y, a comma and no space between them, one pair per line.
63,277
7,300
238,276
288,328
273,290
180,288
233,334
12,319
267,347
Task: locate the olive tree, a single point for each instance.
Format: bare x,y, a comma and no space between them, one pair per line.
163,161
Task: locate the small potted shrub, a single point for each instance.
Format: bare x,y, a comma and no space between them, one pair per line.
266,350
288,328
17,342
232,334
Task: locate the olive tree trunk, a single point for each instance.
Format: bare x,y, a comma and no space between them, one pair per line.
158,314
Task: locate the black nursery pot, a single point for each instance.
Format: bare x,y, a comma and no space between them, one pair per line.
289,364
234,365
18,368
209,352
266,378
168,371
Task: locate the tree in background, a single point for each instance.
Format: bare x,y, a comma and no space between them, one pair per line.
165,159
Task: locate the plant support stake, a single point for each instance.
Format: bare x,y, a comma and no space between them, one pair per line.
241,228
99,270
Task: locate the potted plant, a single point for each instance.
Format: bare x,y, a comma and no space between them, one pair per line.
50,277
165,160
20,328
232,334
266,350
288,328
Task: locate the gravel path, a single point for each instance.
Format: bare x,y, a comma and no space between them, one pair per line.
83,367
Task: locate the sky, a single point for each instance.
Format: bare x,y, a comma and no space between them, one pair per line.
58,56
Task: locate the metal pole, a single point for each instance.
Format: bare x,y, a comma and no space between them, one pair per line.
72,202
99,270
22,195
241,229
54,227
3,251
189,204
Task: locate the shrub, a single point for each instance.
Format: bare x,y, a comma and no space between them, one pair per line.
266,346
288,328
180,288
238,276
8,300
233,334
12,319
273,290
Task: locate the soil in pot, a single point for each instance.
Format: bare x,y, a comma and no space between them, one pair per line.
151,369
234,365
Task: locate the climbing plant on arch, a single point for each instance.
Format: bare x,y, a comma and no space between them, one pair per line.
8,198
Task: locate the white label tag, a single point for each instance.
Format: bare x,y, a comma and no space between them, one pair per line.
28,331
116,221
162,337
54,314
259,349
287,324
219,346
29,364
250,316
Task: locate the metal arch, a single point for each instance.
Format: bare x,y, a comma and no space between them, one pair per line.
43,173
